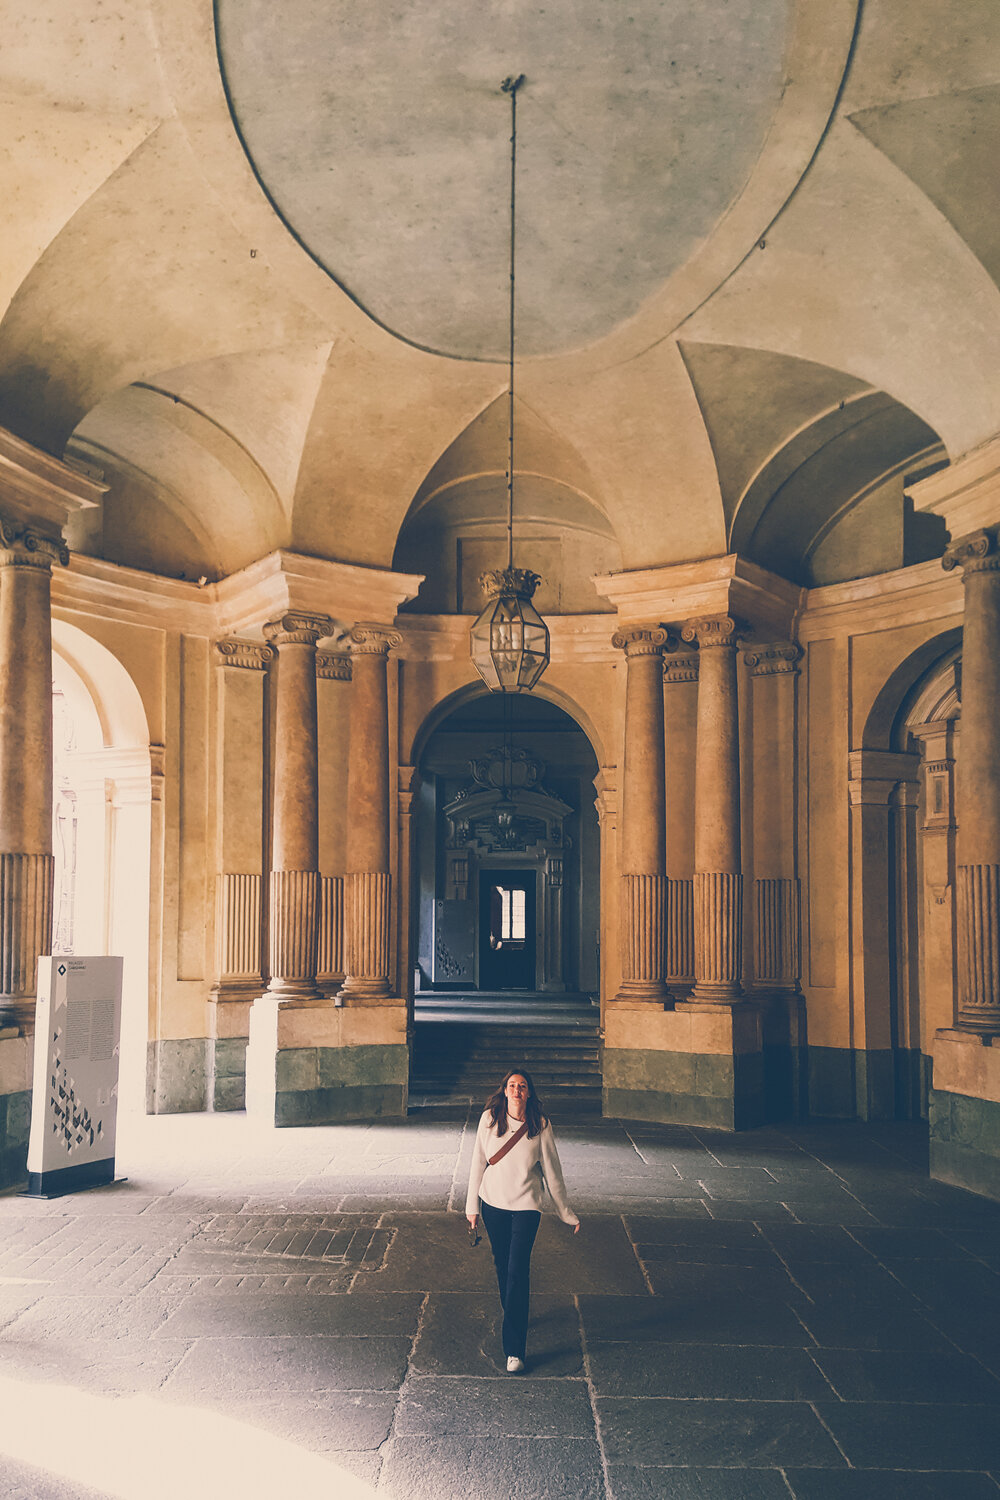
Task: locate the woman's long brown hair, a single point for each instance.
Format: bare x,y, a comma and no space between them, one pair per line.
497,1105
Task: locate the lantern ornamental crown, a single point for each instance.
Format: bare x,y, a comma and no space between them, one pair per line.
510,640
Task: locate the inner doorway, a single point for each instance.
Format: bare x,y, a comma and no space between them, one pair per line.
507,929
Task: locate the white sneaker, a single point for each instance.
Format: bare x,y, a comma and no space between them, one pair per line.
515,1366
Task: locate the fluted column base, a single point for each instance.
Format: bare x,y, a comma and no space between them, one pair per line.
680,933
718,938
367,918
643,940
26,886
293,927
776,938
978,891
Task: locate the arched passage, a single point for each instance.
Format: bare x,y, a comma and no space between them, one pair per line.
102,808
505,891
904,846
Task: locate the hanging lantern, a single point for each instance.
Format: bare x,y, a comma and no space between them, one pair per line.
510,640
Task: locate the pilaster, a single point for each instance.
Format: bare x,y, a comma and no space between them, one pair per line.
978,873
368,879
718,880
643,821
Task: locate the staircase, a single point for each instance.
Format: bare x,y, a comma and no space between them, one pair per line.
464,1044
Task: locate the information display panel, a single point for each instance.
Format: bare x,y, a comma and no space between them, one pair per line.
74,1102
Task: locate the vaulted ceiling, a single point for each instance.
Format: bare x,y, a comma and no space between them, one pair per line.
254,269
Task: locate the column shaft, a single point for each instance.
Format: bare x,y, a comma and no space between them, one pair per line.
718,881
293,896
978,882
367,884
26,861
773,675
643,821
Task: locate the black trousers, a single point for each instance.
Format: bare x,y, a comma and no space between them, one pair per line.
512,1235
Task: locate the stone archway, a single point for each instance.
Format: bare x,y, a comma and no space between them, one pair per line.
504,809
104,829
904,828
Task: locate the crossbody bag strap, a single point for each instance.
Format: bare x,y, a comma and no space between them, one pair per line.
508,1145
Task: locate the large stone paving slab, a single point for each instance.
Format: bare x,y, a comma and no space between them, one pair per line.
507,1468
757,1434
460,1335
634,1482
919,1436
257,1314
497,1406
881,1484
705,1371
302,1364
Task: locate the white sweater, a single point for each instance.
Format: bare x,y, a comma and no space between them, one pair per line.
520,1179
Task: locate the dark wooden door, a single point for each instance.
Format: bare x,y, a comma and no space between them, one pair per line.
507,930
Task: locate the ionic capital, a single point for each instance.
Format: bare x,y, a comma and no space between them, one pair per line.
333,666
24,546
768,661
642,640
298,629
975,553
374,640
249,655
681,668
714,630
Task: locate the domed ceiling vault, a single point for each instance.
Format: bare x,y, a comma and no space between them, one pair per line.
325,249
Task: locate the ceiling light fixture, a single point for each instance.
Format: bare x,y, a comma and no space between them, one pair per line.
510,640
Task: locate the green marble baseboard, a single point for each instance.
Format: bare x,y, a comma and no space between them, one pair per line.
326,1085
965,1142
228,1078
854,1084
685,1088
15,1123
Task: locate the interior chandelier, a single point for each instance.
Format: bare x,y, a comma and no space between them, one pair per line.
510,640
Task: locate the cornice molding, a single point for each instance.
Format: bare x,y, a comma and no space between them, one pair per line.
966,493
37,488
727,585
287,582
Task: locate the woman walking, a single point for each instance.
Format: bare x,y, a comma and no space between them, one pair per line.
514,1160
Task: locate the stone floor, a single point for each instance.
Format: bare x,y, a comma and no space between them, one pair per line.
793,1312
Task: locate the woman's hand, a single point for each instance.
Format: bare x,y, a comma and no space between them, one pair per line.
473,1220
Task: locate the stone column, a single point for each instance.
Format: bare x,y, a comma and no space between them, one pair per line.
774,908
642,830
367,893
26,860
408,783
773,673
718,877
241,668
608,944
680,684
294,884
978,871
